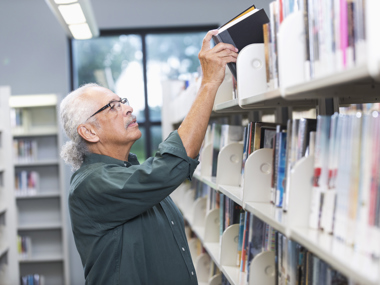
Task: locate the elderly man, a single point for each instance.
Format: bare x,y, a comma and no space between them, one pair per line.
126,228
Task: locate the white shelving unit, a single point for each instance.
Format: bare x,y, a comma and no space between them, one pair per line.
357,84
41,215
8,250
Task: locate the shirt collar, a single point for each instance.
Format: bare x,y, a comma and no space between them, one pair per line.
94,158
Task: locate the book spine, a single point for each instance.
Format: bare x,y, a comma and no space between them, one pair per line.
281,170
343,31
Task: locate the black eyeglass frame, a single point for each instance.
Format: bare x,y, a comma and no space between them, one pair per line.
122,101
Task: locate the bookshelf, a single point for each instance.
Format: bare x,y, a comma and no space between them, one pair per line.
8,250
39,188
356,84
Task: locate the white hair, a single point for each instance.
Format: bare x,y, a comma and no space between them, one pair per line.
73,113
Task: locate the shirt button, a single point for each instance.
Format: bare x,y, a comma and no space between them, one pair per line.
125,164
183,249
192,272
172,223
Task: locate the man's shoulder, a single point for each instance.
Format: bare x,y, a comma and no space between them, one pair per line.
82,174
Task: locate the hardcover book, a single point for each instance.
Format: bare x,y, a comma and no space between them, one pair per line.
243,30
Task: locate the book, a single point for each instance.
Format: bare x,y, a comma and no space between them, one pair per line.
281,166
263,134
216,139
320,180
243,30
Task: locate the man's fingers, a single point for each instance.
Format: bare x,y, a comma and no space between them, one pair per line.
207,39
223,46
227,52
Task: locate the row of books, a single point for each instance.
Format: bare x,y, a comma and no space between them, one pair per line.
334,35
26,183
16,117
24,247
346,189
289,143
24,150
33,279
294,263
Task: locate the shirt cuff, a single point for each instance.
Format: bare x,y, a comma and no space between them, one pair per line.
173,145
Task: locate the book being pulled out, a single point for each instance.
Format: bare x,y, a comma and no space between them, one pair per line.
243,30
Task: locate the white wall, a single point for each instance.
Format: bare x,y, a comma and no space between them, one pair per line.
34,49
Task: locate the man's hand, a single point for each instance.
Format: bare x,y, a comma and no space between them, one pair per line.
213,61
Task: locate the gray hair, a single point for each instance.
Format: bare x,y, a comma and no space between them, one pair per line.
73,113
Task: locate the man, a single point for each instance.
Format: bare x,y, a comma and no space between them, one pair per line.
126,228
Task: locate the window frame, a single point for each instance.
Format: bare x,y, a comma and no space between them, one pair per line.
143,32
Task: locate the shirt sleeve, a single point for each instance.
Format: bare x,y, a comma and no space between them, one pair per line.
111,194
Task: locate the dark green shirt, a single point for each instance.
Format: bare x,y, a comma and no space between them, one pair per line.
126,228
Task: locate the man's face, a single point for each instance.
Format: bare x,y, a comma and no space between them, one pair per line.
117,126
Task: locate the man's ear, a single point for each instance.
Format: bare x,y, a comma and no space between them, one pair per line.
88,133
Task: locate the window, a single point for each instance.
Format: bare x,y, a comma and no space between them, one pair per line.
133,63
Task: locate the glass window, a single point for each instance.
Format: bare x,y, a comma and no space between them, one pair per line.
170,56
156,135
138,147
114,62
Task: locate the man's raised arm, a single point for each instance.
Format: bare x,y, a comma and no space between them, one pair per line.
213,62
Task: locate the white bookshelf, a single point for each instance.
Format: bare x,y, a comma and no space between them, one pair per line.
9,271
41,214
357,84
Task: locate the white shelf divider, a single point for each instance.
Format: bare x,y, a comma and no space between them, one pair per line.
229,165
215,280
251,71
206,161
257,176
299,205
202,267
262,269
229,252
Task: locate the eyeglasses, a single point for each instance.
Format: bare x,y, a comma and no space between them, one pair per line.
112,104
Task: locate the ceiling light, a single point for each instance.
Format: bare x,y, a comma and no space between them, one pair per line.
81,31
71,14
65,1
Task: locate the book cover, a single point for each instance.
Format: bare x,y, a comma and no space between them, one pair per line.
242,31
259,133
328,206
255,240
305,127
281,165
320,180
266,35
241,235
245,154
289,131
274,27
221,216
245,242
216,138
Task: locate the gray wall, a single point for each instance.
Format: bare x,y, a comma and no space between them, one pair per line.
34,49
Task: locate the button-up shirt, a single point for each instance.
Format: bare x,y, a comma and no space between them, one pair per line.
126,227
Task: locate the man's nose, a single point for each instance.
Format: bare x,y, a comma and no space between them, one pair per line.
127,109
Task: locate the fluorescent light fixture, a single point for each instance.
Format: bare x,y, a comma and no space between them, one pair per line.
76,17
81,31
65,1
72,14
